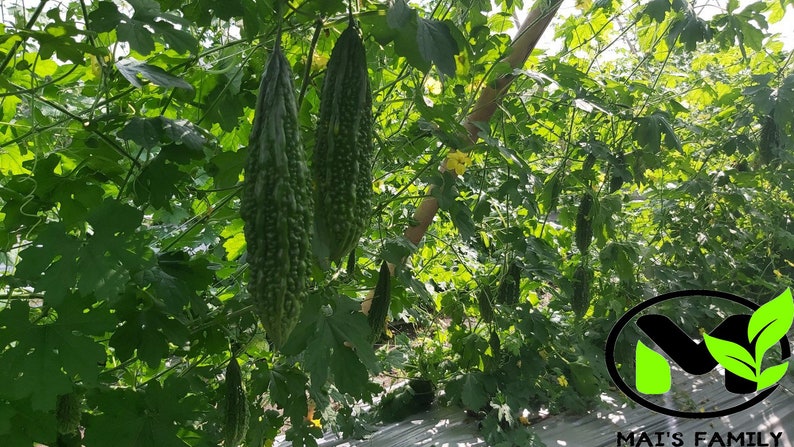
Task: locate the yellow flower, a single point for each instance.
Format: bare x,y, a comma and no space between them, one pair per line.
458,161
433,86
562,381
319,62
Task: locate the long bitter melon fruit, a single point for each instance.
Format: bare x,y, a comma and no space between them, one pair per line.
277,207
583,234
342,157
235,412
381,300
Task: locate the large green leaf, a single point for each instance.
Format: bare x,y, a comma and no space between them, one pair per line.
131,68
437,45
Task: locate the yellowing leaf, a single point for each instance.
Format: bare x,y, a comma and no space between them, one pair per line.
234,246
319,61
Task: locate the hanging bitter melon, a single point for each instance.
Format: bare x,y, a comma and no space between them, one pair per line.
580,301
381,300
342,157
583,234
769,140
235,412
67,413
485,304
510,285
277,207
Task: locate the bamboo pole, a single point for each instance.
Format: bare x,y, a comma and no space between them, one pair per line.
527,37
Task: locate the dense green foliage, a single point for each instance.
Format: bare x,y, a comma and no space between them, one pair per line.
124,135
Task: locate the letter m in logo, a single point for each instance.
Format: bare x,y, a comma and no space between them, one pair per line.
653,371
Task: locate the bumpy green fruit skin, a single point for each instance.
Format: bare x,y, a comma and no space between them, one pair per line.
381,300
235,412
344,148
615,179
494,343
580,302
583,234
67,413
510,285
484,304
769,140
277,207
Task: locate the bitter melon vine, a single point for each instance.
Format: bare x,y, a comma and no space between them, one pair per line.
277,207
342,158
235,412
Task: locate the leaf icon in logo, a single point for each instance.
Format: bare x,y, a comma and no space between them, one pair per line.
772,375
768,324
732,357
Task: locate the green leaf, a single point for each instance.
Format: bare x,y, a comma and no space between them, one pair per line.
732,357
41,377
113,218
437,45
350,325
182,132
405,45
145,417
328,327
157,183
770,322
461,218
348,378
137,35
49,263
145,10
149,132
145,132
6,413
656,9
651,128
179,40
772,375
584,379
80,356
395,250
226,167
131,68
106,17
472,390
287,387
689,29
550,195
399,14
